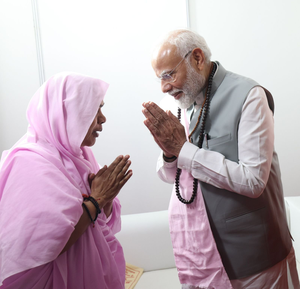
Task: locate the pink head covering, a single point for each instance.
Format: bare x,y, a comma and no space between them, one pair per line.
44,174
63,109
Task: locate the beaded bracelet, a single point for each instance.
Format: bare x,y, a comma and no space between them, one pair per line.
95,203
88,212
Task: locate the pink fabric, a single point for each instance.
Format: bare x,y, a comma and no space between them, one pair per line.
196,256
41,181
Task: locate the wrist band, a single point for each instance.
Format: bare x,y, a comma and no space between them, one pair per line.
173,158
95,203
88,212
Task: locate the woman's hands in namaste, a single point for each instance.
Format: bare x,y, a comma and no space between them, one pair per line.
105,186
108,181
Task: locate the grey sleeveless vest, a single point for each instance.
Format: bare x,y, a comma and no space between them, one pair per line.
251,234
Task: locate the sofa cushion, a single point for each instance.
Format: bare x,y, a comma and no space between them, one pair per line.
292,206
159,279
146,240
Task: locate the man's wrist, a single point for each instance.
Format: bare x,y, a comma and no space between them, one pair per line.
169,159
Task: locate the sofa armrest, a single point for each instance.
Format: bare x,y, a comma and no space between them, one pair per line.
292,206
146,241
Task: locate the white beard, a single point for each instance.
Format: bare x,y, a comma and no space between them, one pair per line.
191,89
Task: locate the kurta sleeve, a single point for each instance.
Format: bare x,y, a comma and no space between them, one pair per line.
166,171
249,176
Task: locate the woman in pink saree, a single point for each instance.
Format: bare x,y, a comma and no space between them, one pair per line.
58,209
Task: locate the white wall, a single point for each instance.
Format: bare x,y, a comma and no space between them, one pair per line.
113,40
18,68
261,40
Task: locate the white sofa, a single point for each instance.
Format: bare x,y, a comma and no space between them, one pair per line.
292,206
146,242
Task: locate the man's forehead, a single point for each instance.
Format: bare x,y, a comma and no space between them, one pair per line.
165,57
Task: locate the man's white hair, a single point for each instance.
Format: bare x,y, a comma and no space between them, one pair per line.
186,40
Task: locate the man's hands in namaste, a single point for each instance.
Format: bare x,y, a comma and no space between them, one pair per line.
166,129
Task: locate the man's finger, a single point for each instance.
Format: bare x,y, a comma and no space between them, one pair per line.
152,128
172,116
155,110
151,118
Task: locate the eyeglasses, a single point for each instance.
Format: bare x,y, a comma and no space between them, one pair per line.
167,76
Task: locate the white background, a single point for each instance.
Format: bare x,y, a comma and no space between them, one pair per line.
113,40
261,40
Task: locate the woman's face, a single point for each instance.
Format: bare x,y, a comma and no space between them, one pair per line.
95,127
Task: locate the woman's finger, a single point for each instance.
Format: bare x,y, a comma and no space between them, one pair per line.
126,167
116,163
119,175
101,171
118,168
125,179
91,178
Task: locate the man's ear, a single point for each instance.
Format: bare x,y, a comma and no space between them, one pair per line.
198,58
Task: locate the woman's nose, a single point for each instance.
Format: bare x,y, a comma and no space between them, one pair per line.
101,118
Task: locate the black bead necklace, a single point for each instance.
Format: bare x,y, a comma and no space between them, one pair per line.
204,111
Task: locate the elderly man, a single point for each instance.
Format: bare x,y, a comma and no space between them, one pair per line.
227,217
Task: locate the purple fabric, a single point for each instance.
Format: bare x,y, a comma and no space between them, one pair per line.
42,179
196,255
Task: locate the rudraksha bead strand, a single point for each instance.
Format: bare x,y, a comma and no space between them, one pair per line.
203,113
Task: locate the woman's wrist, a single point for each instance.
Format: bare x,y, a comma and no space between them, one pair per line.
90,209
91,199
101,202
108,208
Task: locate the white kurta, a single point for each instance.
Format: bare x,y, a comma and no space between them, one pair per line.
248,177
